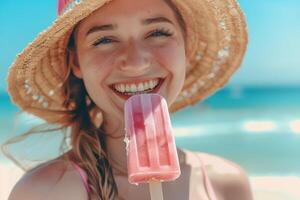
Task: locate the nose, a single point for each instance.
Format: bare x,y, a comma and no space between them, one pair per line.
134,59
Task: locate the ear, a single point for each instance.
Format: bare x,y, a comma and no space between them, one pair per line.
74,64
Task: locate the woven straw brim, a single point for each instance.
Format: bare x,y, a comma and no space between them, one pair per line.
216,44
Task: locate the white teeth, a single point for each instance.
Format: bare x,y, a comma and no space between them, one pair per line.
151,84
122,88
131,88
127,88
146,85
141,87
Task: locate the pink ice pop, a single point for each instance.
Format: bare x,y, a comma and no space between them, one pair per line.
151,149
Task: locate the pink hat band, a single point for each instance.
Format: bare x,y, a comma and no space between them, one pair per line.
66,5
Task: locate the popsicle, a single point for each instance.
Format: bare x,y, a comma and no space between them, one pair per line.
151,150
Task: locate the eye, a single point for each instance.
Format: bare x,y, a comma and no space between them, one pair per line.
157,33
103,40
161,33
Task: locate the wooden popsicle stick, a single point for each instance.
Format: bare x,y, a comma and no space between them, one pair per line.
156,191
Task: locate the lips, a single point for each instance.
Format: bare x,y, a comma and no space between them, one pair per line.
125,97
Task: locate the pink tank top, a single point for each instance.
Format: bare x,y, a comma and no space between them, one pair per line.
83,176
207,183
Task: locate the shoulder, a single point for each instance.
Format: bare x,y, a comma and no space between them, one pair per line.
55,179
228,178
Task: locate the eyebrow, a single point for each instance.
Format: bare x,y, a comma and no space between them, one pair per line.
107,27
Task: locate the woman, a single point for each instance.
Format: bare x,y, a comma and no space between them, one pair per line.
79,72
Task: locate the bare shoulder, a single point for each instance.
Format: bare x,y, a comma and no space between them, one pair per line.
55,179
228,178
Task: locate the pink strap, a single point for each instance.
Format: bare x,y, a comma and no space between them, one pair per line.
83,176
207,182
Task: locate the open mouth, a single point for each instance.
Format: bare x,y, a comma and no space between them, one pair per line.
126,94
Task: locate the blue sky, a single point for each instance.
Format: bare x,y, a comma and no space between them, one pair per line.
272,58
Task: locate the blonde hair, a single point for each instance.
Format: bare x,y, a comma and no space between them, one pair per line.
88,148
88,142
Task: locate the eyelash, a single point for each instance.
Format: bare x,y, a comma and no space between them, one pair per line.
163,32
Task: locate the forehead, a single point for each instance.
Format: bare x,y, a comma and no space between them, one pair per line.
121,10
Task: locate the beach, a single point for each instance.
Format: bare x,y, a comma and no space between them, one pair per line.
265,118
263,187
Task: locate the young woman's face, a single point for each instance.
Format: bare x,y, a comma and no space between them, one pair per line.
126,44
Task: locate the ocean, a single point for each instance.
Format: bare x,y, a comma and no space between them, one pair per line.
256,127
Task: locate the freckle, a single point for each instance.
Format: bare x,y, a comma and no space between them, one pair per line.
148,11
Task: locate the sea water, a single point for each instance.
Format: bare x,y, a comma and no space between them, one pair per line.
258,128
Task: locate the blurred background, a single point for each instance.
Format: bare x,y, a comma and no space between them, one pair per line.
254,120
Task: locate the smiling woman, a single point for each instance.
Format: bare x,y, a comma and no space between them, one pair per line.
134,52
97,54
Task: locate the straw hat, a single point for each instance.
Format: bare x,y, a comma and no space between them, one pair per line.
216,43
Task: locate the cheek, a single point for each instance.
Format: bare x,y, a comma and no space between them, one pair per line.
94,74
173,57
94,66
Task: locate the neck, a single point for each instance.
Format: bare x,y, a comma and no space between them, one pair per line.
116,151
